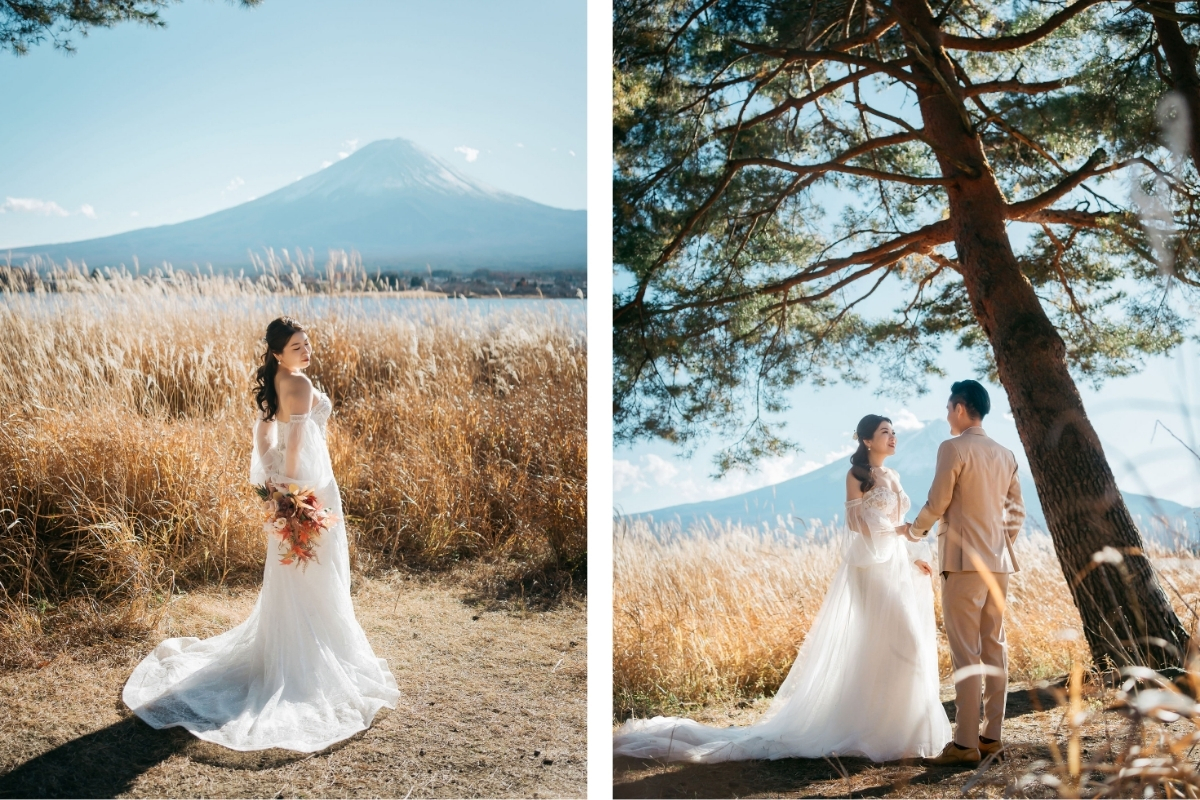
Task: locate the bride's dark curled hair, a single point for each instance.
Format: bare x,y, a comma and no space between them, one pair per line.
278,333
860,464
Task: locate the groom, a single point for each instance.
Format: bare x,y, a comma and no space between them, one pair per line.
977,497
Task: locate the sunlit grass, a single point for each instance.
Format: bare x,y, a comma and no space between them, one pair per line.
125,418
716,613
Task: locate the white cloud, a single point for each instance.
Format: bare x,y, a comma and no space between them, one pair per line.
235,184
133,213
470,152
1008,416
572,152
904,420
28,205
325,164
343,155
627,475
351,145
661,470
520,145
87,211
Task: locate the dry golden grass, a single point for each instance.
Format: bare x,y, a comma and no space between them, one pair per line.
125,419
715,615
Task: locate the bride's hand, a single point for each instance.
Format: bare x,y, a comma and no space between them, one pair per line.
923,566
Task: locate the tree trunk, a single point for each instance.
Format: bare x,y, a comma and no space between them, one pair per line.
1127,618
1183,72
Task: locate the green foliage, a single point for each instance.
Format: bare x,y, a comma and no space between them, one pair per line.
24,23
777,205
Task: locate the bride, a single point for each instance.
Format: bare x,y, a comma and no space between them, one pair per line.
299,672
865,681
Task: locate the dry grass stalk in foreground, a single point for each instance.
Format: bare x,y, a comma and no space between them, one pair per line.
125,436
716,614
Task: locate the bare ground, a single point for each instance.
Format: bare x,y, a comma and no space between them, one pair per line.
1032,720
493,703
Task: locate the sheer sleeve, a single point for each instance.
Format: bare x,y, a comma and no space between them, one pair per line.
266,461
305,457
290,452
876,539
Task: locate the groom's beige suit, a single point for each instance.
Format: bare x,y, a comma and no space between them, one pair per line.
977,497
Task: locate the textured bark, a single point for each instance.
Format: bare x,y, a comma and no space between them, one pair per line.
1183,71
1127,618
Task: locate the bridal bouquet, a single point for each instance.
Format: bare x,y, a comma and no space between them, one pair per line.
295,515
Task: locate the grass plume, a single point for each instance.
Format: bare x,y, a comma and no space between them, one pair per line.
715,614
125,418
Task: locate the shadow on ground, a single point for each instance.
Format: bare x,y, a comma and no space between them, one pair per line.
793,775
104,763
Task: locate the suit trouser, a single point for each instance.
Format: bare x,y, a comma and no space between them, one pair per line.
974,622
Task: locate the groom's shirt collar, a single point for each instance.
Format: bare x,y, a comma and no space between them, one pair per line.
976,429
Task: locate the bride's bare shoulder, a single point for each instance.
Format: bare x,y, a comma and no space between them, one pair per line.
295,393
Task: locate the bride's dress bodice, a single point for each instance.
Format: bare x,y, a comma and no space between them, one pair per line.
872,520
892,504
294,451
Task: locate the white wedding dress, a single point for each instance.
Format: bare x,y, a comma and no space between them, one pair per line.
865,681
299,672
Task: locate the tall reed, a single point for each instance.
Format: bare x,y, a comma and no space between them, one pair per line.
716,613
125,419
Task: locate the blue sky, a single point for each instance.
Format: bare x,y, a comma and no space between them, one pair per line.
1145,459
148,126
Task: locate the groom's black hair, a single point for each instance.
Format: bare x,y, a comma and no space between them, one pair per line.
973,397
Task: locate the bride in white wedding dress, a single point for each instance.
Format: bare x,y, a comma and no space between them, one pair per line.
865,681
299,673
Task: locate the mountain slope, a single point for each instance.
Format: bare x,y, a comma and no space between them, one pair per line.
821,494
391,201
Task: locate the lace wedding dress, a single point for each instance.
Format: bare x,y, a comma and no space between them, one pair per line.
299,672
865,681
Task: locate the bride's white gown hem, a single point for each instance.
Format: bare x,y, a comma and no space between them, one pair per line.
299,673
865,680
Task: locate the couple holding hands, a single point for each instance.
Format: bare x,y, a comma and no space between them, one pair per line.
865,680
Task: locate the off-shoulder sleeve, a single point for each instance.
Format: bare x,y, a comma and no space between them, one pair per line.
266,461
875,541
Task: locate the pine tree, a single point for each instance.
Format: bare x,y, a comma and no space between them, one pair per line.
984,152
24,23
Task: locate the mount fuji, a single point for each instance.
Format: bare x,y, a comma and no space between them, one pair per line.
397,205
820,495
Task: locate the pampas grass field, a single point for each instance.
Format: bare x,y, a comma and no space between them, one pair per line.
125,436
714,615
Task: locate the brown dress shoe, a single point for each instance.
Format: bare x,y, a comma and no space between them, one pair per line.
987,748
953,755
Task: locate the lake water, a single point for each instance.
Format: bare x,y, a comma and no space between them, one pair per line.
569,312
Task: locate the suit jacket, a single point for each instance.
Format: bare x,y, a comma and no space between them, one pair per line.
977,497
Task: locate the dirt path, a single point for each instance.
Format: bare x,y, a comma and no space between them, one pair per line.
492,704
1031,721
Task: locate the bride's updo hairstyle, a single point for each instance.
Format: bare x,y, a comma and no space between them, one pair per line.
278,333
860,465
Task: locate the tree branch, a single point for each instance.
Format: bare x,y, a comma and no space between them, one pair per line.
1054,193
1067,216
1002,43
792,56
1012,87
833,166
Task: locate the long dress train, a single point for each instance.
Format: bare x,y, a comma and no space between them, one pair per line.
299,673
865,680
